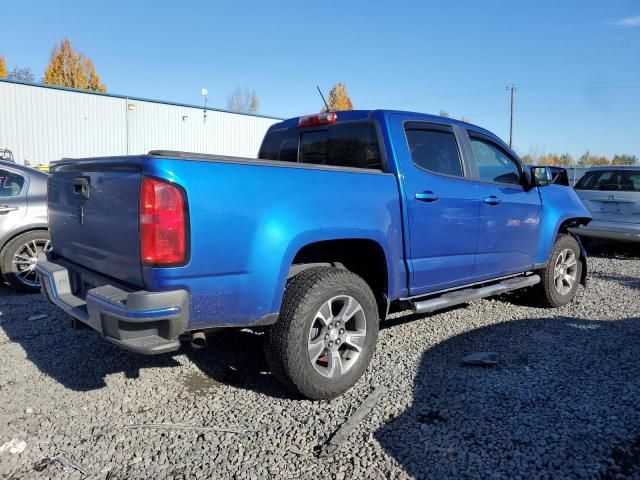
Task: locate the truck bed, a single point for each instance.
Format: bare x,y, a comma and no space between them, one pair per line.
247,218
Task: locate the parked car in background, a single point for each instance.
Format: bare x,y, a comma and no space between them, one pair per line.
23,224
612,195
344,217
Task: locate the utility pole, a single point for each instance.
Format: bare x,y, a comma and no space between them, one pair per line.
512,88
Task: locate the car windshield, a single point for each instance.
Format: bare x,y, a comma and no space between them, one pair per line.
610,180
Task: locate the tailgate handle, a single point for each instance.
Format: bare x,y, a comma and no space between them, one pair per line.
81,186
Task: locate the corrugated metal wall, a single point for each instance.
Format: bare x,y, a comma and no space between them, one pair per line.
41,124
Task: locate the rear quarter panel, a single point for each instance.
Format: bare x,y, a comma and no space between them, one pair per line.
248,221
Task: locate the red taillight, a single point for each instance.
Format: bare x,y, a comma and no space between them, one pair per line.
163,224
318,119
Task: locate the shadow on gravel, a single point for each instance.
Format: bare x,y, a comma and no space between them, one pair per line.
563,400
617,250
236,357
527,297
80,360
623,280
411,317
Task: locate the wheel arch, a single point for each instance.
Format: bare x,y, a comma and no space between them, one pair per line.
564,228
16,233
549,234
363,256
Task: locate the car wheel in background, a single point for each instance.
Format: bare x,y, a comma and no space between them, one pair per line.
561,277
18,260
326,334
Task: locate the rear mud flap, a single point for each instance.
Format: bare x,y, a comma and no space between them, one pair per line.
583,259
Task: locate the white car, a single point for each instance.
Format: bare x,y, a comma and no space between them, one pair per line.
612,195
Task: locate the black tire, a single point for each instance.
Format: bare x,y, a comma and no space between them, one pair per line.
548,294
287,348
10,271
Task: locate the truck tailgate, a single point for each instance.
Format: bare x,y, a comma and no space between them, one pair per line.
93,215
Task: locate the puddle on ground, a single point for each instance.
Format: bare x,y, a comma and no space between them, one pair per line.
197,383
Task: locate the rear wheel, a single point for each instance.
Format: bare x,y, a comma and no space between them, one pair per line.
560,278
19,258
326,334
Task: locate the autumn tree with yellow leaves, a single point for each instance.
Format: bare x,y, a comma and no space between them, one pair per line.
3,67
68,68
339,98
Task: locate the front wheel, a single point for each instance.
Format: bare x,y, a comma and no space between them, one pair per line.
326,334
19,258
560,278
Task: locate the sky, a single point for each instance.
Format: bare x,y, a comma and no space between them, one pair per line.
576,64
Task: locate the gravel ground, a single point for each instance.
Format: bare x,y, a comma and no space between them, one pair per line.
563,402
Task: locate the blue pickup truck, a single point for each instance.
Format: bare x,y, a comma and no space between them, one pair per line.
344,217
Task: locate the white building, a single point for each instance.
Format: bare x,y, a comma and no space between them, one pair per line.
43,123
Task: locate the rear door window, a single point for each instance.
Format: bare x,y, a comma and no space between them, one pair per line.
349,144
435,150
610,181
10,183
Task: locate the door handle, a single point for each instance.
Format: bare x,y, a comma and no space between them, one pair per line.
6,209
427,196
491,200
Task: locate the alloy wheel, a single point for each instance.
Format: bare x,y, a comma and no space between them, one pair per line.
565,272
25,260
337,336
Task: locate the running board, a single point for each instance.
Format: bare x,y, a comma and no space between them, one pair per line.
467,295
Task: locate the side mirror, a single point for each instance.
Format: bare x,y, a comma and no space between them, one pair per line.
559,176
542,176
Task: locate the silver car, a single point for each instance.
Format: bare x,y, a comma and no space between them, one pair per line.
612,195
23,224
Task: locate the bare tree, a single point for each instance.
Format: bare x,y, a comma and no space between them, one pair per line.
243,101
23,74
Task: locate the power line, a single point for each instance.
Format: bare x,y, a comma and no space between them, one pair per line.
580,87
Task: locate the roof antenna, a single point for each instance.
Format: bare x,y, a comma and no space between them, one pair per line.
323,99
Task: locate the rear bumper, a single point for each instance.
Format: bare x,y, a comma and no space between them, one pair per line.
626,232
140,321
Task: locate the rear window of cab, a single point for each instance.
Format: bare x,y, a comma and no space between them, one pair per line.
348,144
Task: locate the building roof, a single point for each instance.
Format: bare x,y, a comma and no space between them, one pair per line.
128,97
